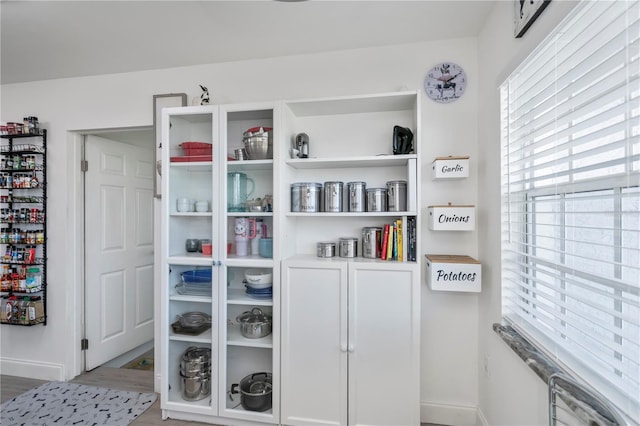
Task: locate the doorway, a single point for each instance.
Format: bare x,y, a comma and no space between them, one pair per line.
118,254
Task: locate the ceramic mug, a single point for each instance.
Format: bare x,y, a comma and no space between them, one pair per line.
185,205
202,206
266,247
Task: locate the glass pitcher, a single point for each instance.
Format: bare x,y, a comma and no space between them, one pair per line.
237,193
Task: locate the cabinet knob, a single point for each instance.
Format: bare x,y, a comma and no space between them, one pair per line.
343,348
351,348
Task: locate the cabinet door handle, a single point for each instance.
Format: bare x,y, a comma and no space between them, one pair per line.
351,348
343,348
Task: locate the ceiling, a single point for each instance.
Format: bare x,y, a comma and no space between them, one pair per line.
41,40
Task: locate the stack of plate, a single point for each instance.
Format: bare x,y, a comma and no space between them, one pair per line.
259,293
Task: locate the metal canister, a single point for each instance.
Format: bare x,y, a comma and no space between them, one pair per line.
333,197
326,249
305,197
240,154
348,247
356,196
397,195
371,242
376,200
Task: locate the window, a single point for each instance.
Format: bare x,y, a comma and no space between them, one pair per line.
571,198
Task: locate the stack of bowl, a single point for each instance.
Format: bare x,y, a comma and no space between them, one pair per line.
259,283
258,143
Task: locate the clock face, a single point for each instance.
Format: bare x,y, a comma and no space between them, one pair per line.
446,82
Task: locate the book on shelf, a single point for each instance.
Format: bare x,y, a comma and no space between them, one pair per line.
385,239
398,240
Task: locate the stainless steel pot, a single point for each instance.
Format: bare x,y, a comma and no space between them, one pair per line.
255,391
195,373
255,324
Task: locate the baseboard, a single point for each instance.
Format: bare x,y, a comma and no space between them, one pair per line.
157,381
482,420
31,370
447,413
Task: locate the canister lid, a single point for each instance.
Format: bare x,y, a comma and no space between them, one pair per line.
397,182
326,244
304,184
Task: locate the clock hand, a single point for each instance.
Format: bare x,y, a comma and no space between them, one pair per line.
446,80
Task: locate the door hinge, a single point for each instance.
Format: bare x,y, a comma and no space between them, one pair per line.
84,165
84,344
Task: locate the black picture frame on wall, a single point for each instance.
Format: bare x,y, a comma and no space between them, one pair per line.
525,13
159,102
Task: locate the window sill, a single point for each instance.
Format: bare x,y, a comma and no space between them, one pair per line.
544,368
536,360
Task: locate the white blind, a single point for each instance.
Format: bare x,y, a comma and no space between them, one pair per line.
571,197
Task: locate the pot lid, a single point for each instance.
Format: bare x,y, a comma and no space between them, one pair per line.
193,319
254,316
197,354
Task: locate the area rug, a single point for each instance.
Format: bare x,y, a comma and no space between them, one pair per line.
64,403
143,362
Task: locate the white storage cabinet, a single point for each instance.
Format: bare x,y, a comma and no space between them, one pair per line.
232,356
350,342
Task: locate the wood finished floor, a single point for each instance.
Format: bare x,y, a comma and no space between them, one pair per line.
115,378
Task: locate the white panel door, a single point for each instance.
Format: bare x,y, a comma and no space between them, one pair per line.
384,344
118,248
314,343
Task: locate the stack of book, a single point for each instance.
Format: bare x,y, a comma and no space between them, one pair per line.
399,240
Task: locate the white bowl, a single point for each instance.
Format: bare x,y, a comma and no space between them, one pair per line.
258,276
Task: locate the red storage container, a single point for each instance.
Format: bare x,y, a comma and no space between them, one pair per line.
196,148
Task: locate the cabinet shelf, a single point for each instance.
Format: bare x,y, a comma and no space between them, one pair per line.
351,162
192,299
196,259
236,296
243,165
175,397
204,337
252,214
351,214
193,165
191,214
249,261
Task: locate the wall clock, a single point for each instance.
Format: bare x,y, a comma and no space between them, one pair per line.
446,82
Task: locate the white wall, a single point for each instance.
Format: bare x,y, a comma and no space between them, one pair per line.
449,330
511,394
